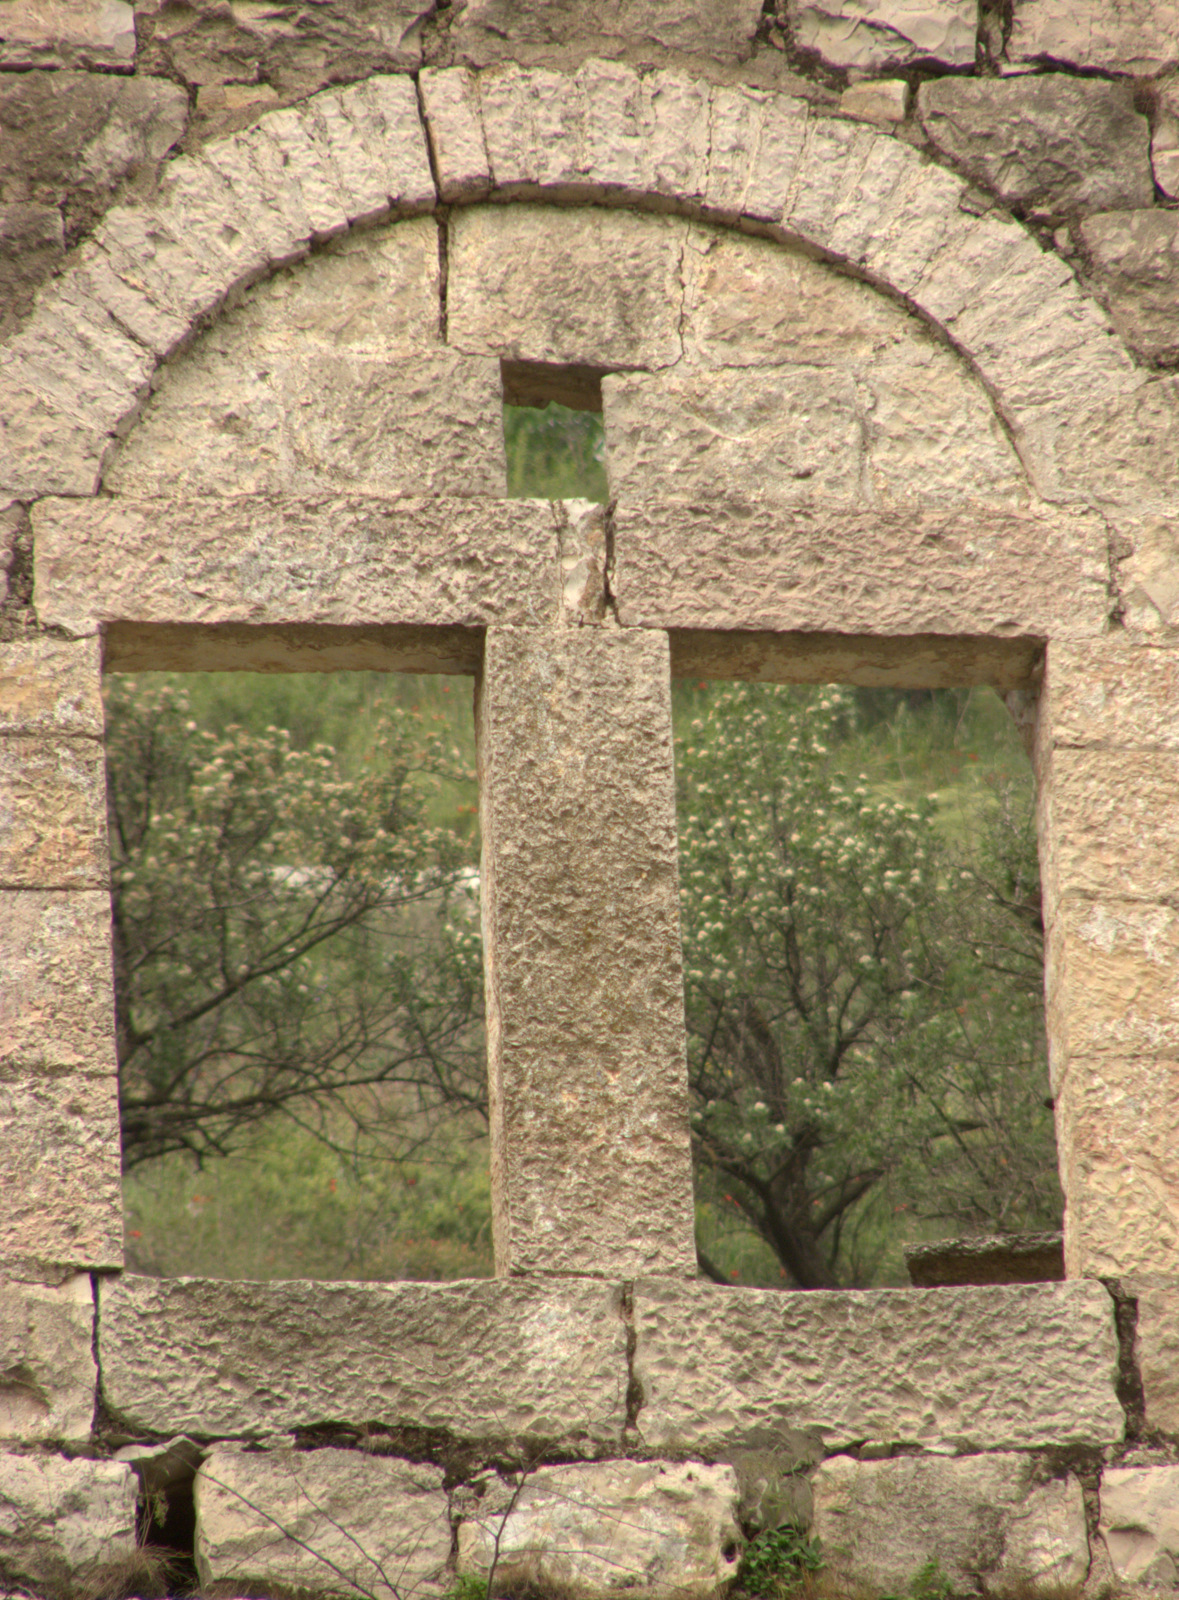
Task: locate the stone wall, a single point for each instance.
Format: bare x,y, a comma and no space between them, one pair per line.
882,298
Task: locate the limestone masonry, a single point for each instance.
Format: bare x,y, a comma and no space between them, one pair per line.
883,300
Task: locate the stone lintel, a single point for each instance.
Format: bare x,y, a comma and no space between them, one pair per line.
237,647
980,571
903,661
591,1167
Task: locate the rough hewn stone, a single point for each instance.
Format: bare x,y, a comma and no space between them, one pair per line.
295,49
1140,1523
601,288
1112,693
52,814
907,426
67,1528
59,1167
1113,824
583,542
482,1360
56,1006
61,33
1135,257
541,30
48,1378
1117,1128
339,560
821,566
1011,1367
752,302
876,35
985,1521
321,1522
581,923
639,1527
882,100
13,524
1164,142
52,686
1156,1344
1122,453
1110,972
1138,37
1052,143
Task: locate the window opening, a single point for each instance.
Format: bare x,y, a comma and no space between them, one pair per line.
298,975
863,978
553,431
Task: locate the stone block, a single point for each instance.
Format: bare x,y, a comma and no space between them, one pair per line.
909,427
1140,1524
320,1522
44,450
149,251
592,287
643,1527
751,302
1117,1127
76,355
581,929
66,33
1122,453
484,1360
1164,142
1156,1347
1112,692
879,35
454,124
294,51
49,1381
52,686
755,141
1134,256
57,1004
1110,977
986,1522
1053,143
1136,37
824,567
543,31
881,100
52,813
67,1528
1011,1367
1113,827
338,560
93,275
60,1168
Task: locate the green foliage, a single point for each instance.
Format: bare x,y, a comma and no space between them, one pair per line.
286,937
774,1563
929,1582
863,998
467,1586
555,453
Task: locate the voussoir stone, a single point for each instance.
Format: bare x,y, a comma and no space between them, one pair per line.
875,35
320,1522
491,1360
647,1528
1140,1524
48,1382
823,566
342,560
1053,143
998,1368
1135,257
984,1521
67,1528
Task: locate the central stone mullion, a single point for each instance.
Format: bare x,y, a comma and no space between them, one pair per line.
591,1167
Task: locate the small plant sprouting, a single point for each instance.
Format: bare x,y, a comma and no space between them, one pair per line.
776,1561
467,1586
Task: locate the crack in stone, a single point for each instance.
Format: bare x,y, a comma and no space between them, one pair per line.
1130,1392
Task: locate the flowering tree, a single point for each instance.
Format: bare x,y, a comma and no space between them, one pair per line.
856,1021
285,937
